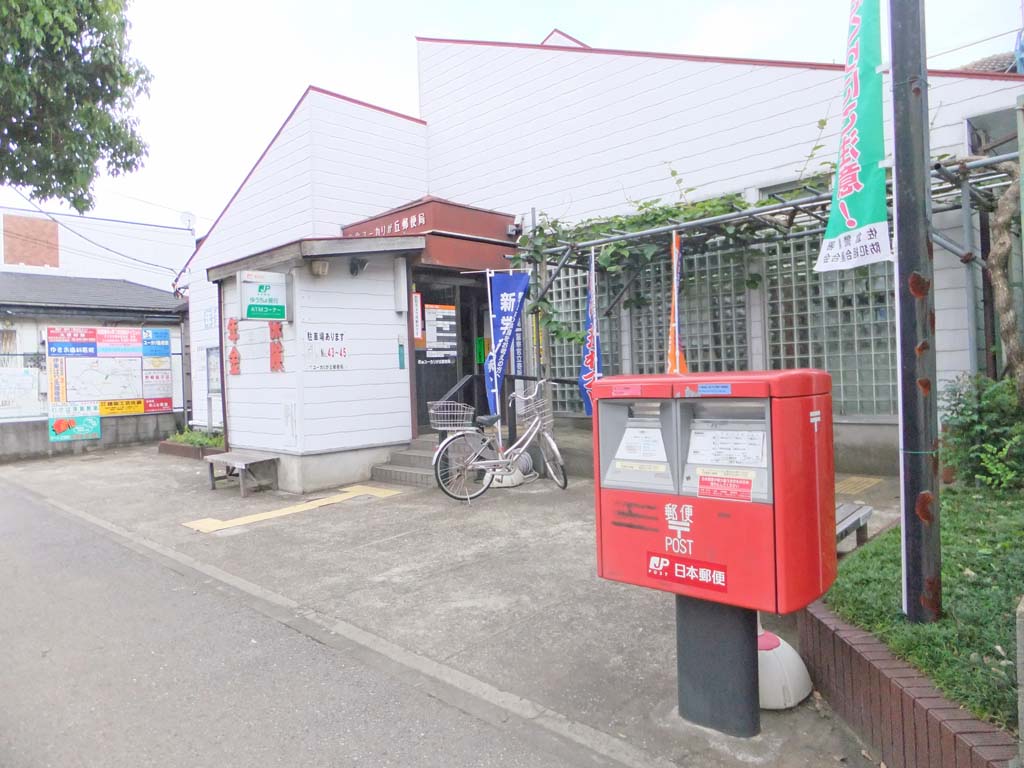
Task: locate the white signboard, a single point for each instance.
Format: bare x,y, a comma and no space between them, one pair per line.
213,383
417,317
727,448
325,350
263,295
442,337
19,392
156,379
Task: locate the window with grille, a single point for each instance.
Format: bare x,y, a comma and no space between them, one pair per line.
9,357
843,322
712,313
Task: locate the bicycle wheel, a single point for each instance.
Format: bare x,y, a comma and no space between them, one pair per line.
553,460
453,465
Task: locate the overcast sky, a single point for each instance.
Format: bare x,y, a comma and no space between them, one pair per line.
226,74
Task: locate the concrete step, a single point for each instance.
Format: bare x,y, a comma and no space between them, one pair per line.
424,443
390,473
412,458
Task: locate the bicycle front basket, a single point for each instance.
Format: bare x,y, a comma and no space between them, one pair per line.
449,416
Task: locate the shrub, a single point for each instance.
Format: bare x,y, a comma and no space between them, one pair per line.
971,652
983,423
202,439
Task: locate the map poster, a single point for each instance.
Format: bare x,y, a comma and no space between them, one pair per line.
87,379
124,370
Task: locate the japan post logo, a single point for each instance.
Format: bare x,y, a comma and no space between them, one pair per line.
657,565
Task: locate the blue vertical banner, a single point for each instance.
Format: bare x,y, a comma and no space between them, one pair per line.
508,292
590,365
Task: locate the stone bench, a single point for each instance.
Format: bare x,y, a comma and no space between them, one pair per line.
852,517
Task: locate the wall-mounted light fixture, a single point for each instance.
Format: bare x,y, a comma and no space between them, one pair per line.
319,267
356,265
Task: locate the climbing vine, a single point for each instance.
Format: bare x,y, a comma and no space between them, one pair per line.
620,260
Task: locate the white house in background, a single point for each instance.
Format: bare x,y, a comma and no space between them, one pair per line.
90,278
558,127
69,245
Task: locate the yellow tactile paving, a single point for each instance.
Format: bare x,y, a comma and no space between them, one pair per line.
856,484
211,524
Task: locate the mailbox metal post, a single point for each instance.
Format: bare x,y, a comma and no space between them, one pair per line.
716,666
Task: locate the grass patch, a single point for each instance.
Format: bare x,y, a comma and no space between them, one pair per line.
199,439
971,652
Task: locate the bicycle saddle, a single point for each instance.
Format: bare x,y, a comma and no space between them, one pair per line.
487,421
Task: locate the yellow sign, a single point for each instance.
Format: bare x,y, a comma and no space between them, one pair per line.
736,474
637,466
121,407
58,381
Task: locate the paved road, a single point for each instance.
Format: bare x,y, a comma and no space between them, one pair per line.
113,657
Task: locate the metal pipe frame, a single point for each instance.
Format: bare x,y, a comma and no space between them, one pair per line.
753,214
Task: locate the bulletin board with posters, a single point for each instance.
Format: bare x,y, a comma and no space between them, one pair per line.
97,372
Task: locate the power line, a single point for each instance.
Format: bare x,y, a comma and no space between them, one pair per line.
971,45
69,249
60,223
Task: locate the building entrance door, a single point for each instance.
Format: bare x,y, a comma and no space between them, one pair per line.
453,321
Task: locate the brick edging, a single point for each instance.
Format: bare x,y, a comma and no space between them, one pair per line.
890,704
186,451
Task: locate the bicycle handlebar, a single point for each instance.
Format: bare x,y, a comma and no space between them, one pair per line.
530,395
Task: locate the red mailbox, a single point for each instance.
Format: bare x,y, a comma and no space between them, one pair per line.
717,486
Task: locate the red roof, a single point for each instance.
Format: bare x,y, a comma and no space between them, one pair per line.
707,59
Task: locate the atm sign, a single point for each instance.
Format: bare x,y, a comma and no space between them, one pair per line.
263,295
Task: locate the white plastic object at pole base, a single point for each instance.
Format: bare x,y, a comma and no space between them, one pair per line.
523,471
783,681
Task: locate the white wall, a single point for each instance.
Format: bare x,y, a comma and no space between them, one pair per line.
333,162
299,410
582,133
263,405
578,134
89,247
368,403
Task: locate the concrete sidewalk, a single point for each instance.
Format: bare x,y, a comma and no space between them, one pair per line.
497,599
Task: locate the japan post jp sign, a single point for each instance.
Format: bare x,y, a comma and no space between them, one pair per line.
263,295
858,224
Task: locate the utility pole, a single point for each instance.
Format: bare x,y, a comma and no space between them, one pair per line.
919,434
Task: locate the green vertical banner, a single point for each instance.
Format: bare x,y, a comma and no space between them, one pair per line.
858,224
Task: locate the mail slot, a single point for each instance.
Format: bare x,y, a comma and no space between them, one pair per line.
717,486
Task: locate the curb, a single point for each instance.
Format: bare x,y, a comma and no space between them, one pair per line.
186,451
890,704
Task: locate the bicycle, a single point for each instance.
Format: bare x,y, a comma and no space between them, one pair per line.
467,462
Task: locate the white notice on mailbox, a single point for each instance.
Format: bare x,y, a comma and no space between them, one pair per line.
728,448
641,444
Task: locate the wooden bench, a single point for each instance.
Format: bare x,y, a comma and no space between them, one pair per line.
254,470
852,517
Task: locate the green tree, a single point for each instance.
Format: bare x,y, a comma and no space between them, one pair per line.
67,89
